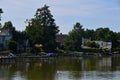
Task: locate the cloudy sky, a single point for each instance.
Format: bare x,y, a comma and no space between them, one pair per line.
91,14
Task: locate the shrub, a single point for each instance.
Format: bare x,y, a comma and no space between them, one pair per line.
96,50
59,50
92,44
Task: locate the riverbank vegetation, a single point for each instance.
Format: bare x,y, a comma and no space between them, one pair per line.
73,41
41,30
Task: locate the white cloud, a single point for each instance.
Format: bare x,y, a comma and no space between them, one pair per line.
82,10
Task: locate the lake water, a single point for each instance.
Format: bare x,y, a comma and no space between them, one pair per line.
82,68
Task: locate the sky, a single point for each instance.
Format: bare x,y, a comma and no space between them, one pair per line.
92,14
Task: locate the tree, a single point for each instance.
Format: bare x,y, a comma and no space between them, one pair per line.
9,26
12,45
73,41
114,39
42,29
103,34
92,44
89,34
0,17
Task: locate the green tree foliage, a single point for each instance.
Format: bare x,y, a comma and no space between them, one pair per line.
89,34
12,45
42,29
9,26
73,40
103,34
92,44
0,13
0,17
21,35
118,35
17,36
114,40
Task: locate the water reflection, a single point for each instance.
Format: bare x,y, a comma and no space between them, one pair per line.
90,68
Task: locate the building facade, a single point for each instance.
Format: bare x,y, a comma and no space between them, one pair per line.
5,35
102,44
60,39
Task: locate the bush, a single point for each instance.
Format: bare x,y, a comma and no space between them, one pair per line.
12,45
96,50
59,50
92,44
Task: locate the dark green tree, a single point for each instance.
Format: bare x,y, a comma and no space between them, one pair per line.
114,39
89,34
92,44
12,45
0,17
42,29
118,40
73,41
103,34
9,26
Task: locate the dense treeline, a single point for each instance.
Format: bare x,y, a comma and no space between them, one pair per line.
42,29
17,36
73,40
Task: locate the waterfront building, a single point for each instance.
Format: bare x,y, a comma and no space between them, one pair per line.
5,35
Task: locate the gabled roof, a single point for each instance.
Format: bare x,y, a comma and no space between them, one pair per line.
61,37
3,32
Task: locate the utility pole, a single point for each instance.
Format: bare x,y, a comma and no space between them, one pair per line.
0,15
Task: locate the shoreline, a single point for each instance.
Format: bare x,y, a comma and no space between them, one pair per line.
10,60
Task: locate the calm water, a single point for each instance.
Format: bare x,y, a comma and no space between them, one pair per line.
91,68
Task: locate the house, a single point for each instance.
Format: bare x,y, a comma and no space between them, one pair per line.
102,44
4,36
60,39
84,42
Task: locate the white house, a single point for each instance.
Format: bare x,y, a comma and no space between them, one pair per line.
102,44
84,41
4,36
